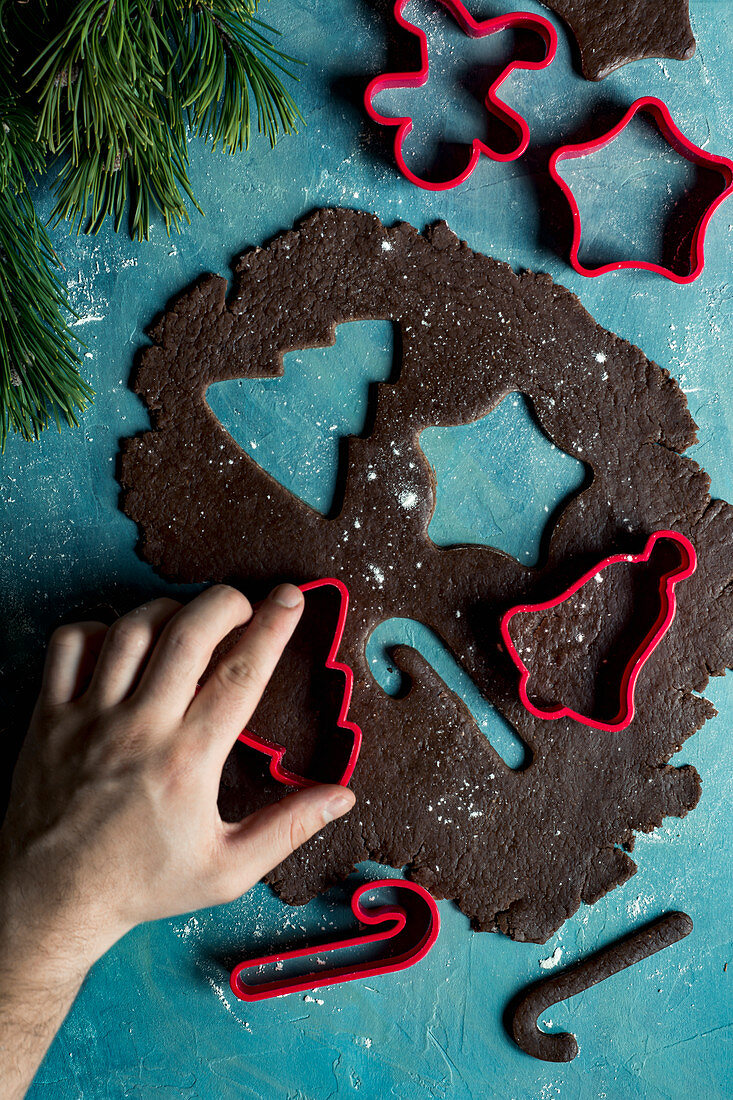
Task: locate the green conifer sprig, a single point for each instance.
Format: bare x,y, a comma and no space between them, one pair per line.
221,54
106,100
39,377
117,85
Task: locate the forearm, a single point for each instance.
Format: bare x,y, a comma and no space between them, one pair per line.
36,992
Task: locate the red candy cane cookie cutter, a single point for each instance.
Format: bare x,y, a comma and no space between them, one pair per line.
425,924
667,583
474,29
275,751
674,137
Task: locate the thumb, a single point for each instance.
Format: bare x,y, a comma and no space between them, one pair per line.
268,836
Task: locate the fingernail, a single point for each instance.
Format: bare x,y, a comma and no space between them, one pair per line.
287,595
337,805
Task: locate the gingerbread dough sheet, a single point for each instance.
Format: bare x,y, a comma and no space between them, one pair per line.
512,847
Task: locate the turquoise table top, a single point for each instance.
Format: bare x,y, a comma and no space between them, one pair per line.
155,1017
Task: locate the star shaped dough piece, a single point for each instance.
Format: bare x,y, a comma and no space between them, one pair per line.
611,33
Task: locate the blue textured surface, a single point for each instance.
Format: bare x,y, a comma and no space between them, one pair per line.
155,1018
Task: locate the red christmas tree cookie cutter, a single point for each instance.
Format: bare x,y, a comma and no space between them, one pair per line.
474,29
426,925
668,607
275,751
674,137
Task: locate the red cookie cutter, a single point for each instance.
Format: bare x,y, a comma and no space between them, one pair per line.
474,29
394,917
668,608
276,751
660,112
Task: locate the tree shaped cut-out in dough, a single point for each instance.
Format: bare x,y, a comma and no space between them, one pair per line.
293,426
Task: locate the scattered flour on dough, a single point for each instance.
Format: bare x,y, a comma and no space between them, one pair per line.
377,573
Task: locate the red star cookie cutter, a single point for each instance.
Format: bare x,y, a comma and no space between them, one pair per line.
276,751
674,137
422,925
667,611
474,29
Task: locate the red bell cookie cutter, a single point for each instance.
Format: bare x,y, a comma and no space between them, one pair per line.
474,29
276,751
674,137
424,921
668,608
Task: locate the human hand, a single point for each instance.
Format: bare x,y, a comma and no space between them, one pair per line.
113,815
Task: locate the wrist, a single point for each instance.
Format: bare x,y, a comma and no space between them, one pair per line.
44,942
40,964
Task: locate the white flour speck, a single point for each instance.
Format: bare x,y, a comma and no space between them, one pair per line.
185,931
552,960
638,906
225,1001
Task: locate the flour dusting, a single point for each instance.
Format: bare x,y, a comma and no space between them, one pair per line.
552,960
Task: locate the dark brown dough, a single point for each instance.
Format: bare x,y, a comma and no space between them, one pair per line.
611,33
511,847
583,668
562,1046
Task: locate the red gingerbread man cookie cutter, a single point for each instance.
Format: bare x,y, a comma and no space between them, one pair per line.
496,106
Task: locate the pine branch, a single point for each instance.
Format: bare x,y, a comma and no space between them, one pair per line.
39,376
117,84
108,87
222,52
